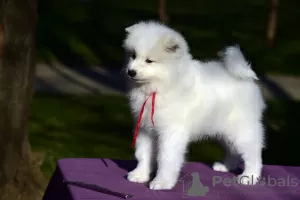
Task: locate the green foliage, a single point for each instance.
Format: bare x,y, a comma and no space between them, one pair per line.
92,31
101,127
80,127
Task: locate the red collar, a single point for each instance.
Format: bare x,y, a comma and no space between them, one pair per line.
141,114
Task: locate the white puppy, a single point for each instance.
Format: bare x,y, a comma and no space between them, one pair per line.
193,99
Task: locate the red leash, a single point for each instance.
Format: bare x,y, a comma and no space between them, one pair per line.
141,114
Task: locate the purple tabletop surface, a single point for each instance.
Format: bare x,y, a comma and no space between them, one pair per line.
280,182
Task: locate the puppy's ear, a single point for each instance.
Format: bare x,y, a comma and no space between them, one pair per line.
172,48
129,29
172,45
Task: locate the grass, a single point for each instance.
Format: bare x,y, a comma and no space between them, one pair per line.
101,126
91,32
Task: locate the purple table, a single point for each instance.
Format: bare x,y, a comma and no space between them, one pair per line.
281,182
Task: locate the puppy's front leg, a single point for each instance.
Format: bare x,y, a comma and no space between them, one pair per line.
144,150
172,145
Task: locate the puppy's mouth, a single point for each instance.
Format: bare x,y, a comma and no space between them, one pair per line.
137,80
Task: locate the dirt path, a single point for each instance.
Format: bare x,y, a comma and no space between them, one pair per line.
94,80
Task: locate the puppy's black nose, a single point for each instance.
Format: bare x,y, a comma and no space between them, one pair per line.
131,73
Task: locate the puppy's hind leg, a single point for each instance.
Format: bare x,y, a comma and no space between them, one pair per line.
249,143
231,161
144,153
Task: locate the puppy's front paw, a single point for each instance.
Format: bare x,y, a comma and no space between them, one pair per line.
217,166
158,184
138,176
248,179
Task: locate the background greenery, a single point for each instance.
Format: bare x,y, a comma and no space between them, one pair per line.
101,127
91,31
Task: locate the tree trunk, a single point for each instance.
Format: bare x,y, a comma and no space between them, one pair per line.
20,176
162,11
272,22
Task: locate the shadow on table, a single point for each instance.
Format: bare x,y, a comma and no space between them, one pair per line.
56,184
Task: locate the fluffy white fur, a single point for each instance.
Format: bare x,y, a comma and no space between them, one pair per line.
194,99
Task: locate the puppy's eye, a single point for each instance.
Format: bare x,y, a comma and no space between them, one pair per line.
132,55
149,61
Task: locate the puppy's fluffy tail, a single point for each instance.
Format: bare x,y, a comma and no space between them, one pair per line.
236,64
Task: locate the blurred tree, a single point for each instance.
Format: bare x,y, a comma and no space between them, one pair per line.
272,22
62,29
162,11
20,175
